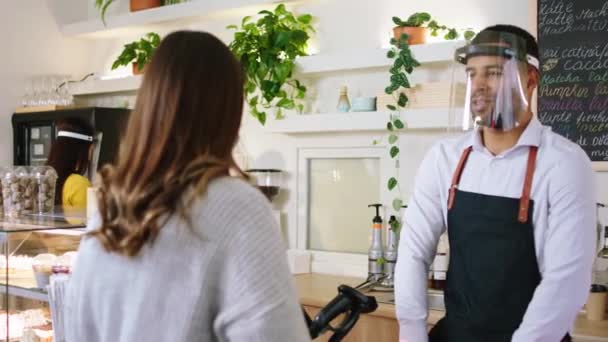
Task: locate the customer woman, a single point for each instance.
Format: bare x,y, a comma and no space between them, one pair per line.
180,250
70,156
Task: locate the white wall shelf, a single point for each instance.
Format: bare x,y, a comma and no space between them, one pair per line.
193,9
374,58
329,62
434,118
114,85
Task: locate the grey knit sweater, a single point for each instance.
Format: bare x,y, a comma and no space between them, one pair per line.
225,280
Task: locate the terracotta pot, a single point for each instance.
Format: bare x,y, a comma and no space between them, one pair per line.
136,70
138,5
417,34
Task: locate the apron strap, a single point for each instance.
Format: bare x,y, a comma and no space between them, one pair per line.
524,201
456,178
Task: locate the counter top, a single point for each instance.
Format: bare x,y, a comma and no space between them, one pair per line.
318,289
61,218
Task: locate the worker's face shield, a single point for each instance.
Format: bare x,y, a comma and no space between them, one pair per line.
496,74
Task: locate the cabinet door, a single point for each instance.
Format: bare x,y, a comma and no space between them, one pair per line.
368,328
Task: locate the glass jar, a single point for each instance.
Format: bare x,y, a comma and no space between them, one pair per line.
45,179
18,191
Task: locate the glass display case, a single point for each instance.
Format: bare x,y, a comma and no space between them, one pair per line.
34,250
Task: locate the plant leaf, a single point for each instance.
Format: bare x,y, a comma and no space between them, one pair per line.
395,226
262,118
392,183
389,126
305,18
394,151
391,54
286,103
391,107
397,203
392,138
402,100
398,124
232,27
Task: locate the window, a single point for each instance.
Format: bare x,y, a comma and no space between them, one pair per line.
335,187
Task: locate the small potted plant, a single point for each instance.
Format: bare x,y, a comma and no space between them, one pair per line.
134,5
138,5
267,50
138,53
417,26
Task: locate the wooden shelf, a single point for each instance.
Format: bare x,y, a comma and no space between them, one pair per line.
435,118
330,62
141,20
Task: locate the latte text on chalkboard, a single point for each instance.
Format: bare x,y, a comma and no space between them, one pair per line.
573,92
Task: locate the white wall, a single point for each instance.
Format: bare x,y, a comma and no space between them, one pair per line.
342,25
31,45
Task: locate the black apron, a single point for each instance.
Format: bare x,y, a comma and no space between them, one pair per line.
493,271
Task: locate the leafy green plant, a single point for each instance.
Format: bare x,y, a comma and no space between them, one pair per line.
267,50
420,19
139,52
102,5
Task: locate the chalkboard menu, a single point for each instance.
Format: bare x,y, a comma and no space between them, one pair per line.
573,92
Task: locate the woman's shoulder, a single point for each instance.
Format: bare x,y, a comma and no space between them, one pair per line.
234,190
231,198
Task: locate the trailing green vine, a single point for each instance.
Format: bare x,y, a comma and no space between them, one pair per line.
404,64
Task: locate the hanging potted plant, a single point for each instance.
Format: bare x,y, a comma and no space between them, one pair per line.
138,5
138,53
417,26
267,50
134,5
404,63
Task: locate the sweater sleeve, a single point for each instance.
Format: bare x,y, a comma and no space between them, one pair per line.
259,299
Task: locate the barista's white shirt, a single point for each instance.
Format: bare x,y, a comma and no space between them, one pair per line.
564,225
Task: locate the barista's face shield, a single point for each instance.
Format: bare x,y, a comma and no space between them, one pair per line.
496,72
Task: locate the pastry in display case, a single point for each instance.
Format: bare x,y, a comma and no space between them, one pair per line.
34,250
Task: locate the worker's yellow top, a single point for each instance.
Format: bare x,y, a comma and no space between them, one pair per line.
75,191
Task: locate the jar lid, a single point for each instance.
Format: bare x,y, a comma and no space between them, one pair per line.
44,171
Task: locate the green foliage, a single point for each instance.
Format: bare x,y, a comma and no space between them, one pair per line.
423,19
395,225
267,50
380,261
139,52
102,6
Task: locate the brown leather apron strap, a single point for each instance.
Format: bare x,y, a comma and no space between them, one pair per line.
524,201
456,177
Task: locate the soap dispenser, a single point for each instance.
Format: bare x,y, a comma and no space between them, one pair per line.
390,253
374,267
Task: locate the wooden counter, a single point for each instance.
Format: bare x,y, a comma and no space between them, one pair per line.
316,290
